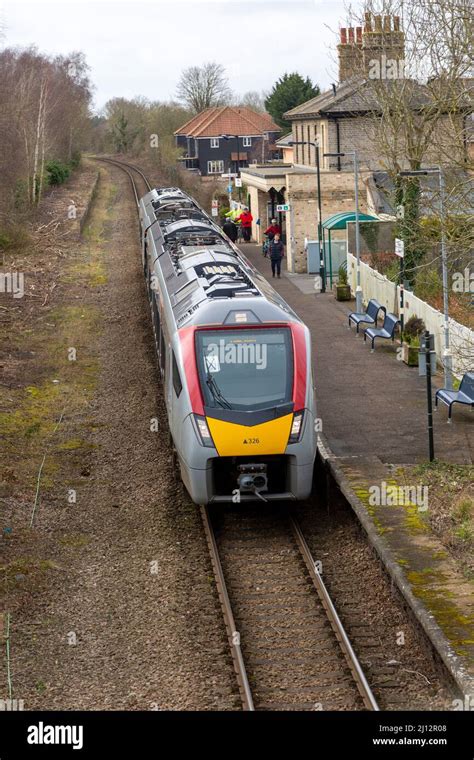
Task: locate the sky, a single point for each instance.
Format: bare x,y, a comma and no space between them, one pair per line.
140,48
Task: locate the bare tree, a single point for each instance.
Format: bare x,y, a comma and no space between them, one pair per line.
44,115
418,111
253,99
201,87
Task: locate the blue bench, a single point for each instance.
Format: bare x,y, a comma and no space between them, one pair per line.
369,316
465,394
387,331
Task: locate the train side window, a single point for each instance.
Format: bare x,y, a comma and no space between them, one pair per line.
162,351
177,384
156,311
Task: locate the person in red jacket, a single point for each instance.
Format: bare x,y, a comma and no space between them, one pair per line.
246,220
273,230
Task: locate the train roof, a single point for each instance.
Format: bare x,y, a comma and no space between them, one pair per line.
207,278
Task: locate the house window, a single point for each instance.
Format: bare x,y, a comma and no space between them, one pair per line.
247,142
214,142
215,167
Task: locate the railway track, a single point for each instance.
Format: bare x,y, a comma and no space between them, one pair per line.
130,169
289,648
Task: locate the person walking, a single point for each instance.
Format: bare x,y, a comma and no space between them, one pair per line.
246,220
276,249
230,229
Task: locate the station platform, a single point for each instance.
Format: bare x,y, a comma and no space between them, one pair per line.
369,403
373,409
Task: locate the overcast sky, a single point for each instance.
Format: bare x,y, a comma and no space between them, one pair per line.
140,48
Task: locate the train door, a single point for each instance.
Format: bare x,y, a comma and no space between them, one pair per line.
176,387
155,315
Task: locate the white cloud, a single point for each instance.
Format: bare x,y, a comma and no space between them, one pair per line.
140,48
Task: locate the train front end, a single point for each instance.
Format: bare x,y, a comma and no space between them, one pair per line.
251,432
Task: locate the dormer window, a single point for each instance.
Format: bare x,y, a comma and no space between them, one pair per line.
214,142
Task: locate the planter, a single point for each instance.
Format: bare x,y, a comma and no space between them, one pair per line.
410,354
342,292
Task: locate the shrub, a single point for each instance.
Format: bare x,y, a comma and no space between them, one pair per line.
57,173
342,275
75,159
413,329
428,284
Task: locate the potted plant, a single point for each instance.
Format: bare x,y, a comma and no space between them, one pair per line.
411,340
342,290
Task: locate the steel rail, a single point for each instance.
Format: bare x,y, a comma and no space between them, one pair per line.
126,168
232,634
336,624
135,169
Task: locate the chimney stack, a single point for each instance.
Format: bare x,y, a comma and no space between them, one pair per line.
350,52
359,46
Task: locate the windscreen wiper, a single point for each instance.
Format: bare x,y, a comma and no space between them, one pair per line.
216,392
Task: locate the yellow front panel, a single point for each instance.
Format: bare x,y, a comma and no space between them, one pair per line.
232,440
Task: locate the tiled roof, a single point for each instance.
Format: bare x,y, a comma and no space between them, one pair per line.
361,95
283,141
232,120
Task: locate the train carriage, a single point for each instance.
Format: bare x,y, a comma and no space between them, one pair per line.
234,358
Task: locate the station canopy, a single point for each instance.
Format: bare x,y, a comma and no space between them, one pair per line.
339,221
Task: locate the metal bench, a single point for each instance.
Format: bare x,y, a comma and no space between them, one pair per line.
370,315
465,394
386,331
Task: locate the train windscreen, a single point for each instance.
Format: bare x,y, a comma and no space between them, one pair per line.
245,369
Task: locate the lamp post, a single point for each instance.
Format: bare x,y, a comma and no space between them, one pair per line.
322,266
355,158
447,358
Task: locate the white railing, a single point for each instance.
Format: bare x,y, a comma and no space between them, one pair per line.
376,285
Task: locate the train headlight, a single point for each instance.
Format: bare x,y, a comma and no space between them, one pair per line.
296,427
203,430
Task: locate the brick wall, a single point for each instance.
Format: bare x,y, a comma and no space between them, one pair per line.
337,194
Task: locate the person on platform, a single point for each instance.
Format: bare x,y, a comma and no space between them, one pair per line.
276,250
230,229
273,229
246,220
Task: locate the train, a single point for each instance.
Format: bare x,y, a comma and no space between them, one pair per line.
234,358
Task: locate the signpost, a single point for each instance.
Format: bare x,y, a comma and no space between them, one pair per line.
283,207
238,182
400,252
399,248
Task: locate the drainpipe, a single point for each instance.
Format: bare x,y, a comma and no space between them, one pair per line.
338,141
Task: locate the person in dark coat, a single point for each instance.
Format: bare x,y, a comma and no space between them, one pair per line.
230,229
276,250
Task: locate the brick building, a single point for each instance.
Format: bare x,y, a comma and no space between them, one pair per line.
340,120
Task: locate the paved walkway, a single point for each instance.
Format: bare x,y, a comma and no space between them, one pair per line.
370,404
